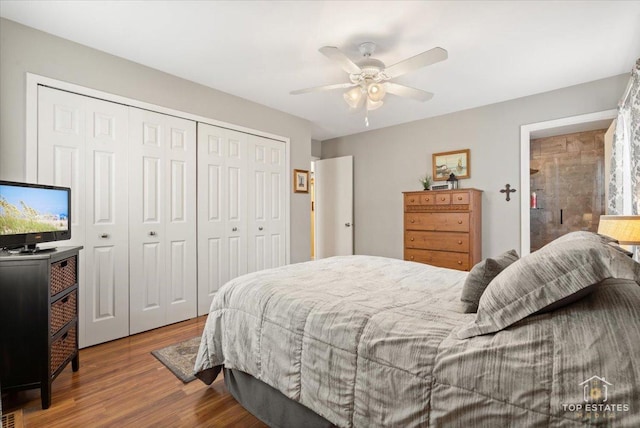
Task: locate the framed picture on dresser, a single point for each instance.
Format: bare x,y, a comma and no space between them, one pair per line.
456,162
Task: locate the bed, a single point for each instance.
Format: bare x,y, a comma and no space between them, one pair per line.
363,341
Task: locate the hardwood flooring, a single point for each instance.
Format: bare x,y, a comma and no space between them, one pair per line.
120,384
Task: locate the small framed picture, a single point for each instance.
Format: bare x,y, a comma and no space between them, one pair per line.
457,162
300,181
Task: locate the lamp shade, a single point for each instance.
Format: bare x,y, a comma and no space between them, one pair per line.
624,228
353,97
372,105
376,92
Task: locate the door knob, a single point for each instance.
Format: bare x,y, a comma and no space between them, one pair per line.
152,233
348,224
235,229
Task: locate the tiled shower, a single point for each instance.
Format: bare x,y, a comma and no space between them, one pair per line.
567,185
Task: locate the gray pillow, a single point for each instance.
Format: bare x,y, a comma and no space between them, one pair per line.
480,276
556,274
583,234
591,236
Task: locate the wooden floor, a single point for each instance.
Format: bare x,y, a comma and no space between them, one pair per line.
120,384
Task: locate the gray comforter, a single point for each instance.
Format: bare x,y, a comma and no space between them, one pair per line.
369,341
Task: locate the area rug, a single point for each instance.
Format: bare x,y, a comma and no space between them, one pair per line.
180,358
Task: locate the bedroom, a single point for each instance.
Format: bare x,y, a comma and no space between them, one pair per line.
491,129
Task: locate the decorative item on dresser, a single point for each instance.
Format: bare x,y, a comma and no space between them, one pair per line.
443,228
38,318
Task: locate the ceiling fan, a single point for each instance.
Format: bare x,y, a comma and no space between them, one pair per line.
370,78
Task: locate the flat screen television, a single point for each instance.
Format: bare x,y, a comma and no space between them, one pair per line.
33,213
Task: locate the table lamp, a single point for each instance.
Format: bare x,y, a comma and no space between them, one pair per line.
624,228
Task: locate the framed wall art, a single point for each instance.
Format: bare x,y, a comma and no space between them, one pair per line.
457,162
300,181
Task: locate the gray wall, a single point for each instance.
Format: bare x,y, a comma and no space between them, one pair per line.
316,148
391,160
23,49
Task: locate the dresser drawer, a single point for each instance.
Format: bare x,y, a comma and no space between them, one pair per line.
412,199
429,199
63,275
63,311
444,222
445,241
460,198
443,198
63,348
444,259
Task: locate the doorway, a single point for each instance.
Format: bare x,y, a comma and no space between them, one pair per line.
567,184
333,207
585,122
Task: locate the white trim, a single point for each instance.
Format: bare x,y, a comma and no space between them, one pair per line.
525,146
31,131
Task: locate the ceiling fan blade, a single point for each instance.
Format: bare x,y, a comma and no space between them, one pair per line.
335,54
421,60
408,92
323,88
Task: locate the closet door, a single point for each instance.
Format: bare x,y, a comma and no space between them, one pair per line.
82,144
266,207
162,220
222,207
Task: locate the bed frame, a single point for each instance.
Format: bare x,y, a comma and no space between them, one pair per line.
270,405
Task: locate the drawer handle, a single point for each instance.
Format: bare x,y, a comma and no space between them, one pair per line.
413,239
459,262
152,233
459,198
459,221
411,257
64,263
442,198
459,242
65,299
104,235
428,199
412,200
413,221
64,336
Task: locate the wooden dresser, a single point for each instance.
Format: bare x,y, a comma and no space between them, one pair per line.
38,319
443,227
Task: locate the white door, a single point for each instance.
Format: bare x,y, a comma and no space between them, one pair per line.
82,144
334,206
222,210
162,219
266,203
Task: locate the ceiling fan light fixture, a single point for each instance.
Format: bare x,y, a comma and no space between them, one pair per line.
376,91
353,97
373,105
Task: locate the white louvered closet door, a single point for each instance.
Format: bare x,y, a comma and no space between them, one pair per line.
82,144
222,210
266,208
162,220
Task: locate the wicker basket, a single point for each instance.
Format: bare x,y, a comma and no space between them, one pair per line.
62,349
62,312
63,275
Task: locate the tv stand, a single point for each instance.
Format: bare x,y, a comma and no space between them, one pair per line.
39,297
32,249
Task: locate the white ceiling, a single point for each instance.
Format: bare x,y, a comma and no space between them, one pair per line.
262,50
